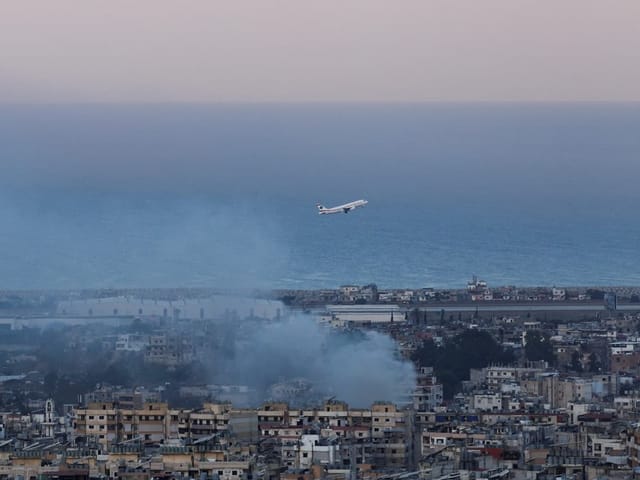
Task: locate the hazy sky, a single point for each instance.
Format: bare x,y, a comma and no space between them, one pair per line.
293,50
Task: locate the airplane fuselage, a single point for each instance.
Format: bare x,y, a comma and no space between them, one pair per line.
346,208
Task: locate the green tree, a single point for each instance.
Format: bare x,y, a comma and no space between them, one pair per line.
50,383
595,294
594,363
538,347
576,364
116,374
453,360
138,326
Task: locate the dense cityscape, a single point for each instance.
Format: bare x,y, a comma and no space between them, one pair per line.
238,240
528,383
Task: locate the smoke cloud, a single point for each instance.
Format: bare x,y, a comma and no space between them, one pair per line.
134,241
308,362
81,239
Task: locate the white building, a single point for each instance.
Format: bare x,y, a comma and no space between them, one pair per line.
345,314
217,306
487,402
313,451
498,375
349,293
558,294
131,342
623,348
626,404
575,409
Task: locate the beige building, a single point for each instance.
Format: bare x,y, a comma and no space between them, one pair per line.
381,435
107,425
557,392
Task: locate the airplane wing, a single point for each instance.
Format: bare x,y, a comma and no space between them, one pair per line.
346,209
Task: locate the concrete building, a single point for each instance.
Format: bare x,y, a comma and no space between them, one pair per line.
131,342
363,314
487,402
170,350
428,394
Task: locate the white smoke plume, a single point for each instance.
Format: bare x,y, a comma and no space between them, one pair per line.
358,367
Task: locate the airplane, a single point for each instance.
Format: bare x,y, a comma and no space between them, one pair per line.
346,208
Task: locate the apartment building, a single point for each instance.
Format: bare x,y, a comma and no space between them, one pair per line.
428,393
381,435
107,424
487,402
169,350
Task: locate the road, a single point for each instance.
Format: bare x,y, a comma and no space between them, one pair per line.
546,307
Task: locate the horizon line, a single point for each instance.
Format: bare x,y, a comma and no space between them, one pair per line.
317,102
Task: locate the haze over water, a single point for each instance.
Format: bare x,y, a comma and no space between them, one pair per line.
224,195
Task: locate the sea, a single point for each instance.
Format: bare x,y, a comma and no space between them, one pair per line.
224,196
